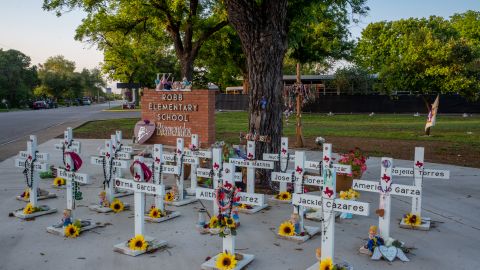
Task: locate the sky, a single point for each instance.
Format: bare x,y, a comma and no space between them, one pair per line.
26,27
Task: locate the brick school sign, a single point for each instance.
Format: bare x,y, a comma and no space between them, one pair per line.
180,114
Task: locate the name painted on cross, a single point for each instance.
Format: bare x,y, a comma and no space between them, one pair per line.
259,164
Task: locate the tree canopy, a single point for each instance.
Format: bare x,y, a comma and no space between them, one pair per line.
426,56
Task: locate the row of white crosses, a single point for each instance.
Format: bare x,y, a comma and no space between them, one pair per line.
328,204
226,174
251,164
418,172
33,162
140,188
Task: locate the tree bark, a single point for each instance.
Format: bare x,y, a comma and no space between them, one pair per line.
245,83
263,34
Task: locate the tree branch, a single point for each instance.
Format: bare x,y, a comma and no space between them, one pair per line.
206,34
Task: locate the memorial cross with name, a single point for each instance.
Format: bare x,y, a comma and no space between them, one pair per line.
251,164
297,177
283,157
140,187
68,144
418,172
328,204
109,163
32,162
228,242
385,188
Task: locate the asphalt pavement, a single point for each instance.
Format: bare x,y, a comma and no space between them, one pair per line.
15,127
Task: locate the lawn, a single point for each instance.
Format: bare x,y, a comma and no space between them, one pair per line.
120,107
454,140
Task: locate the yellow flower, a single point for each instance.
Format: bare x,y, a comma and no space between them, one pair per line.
284,196
58,181
412,220
117,206
226,261
28,209
26,194
230,222
343,195
213,222
155,213
72,231
138,243
326,264
286,229
353,194
169,197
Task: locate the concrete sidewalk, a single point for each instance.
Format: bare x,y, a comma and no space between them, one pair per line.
454,204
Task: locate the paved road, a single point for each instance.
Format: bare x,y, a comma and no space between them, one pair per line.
16,126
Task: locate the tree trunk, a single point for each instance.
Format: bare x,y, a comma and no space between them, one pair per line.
300,141
245,83
262,31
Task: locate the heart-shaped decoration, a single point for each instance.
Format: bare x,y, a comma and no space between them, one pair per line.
389,253
143,131
380,212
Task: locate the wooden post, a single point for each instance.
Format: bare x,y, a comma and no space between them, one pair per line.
300,141
139,199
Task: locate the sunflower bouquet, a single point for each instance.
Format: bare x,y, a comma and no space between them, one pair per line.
155,213
169,196
327,264
286,229
30,209
117,206
223,224
245,206
25,194
349,194
72,230
412,219
58,181
138,243
226,261
284,196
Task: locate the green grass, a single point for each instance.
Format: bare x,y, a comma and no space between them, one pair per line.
396,127
452,129
120,107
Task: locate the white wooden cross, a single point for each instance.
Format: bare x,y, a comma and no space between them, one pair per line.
251,164
159,168
283,157
418,172
140,188
195,154
328,205
228,242
68,173
39,164
385,188
110,163
33,162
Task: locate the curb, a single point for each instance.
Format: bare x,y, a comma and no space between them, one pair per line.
132,110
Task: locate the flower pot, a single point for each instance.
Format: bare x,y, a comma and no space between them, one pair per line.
344,182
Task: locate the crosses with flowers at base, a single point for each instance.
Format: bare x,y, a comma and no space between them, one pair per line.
283,157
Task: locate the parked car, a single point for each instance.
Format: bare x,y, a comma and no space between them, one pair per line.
38,105
86,101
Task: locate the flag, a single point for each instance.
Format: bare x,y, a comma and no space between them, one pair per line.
432,114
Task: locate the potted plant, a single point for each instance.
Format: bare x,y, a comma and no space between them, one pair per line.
355,158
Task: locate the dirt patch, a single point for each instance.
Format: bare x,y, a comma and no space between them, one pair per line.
435,151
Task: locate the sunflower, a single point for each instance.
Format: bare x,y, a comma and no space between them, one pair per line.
138,243
58,181
116,206
213,222
72,231
226,261
344,195
326,264
412,220
169,197
230,222
284,196
26,194
155,213
245,206
286,229
28,209
353,194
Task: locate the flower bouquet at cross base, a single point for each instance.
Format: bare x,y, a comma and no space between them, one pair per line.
284,196
25,194
376,247
139,243
30,209
327,264
352,195
156,213
412,220
117,206
227,261
227,221
291,227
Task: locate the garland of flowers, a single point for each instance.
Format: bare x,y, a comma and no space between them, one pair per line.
220,194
